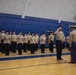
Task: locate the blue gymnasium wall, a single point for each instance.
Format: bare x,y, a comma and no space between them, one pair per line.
10,22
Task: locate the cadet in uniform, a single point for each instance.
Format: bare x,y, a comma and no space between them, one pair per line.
36,41
29,36
20,43
59,42
7,43
32,42
25,42
73,50
42,42
2,41
10,34
14,42
51,41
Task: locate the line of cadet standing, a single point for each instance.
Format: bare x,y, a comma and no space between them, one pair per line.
9,41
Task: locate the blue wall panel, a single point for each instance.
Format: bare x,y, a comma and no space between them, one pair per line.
10,22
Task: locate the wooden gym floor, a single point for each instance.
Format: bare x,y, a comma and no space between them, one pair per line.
37,66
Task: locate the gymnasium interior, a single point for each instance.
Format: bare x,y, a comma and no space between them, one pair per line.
37,16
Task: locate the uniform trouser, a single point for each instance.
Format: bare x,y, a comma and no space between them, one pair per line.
59,49
19,48
36,47
29,46
13,47
32,50
2,46
25,47
10,47
73,52
42,48
67,45
51,46
63,45
7,47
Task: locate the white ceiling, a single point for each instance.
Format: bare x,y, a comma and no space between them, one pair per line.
52,9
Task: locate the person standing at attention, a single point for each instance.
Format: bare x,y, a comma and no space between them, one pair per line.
7,44
29,37
42,42
2,41
51,41
14,42
25,43
32,43
36,41
73,45
20,43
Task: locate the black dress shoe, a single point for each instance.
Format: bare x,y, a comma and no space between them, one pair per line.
52,51
58,59
61,59
71,62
